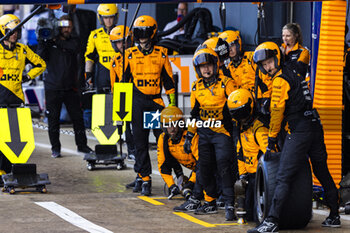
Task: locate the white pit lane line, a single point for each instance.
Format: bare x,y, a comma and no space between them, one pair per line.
72,217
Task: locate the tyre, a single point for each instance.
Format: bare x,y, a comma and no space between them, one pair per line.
297,210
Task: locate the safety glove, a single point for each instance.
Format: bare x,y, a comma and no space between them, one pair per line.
244,179
172,99
188,142
88,80
271,148
25,79
173,191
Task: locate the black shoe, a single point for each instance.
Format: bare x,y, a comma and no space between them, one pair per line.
56,154
332,221
138,185
190,205
230,213
207,208
220,203
130,185
131,157
146,188
85,149
265,227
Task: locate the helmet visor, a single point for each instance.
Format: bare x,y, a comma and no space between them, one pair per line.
143,32
263,54
204,58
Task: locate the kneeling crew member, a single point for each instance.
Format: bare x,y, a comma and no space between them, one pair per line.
171,156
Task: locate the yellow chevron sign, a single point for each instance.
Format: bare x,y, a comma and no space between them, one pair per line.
102,125
16,134
122,102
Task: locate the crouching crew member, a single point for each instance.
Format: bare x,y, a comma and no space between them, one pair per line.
171,156
251,145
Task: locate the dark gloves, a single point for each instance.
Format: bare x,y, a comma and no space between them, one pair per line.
173,191
244,179
25,78
263,106
88,79
271,148
188,142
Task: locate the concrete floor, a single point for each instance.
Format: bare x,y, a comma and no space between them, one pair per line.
97,201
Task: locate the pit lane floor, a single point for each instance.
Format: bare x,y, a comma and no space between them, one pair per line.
79,200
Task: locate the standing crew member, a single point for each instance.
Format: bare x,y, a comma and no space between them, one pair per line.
251,145
116,36
99,49
215,147
295,55
147,66
291,100
171,154
14,57
62,85
241,66
221,48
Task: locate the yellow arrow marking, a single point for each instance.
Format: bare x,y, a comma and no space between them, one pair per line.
122,101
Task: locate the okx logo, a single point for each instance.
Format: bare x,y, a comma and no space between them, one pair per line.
151,120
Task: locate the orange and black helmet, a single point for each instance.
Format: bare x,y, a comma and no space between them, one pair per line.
205,56
240,104
220,46
233,38
117,34
265,51
144,27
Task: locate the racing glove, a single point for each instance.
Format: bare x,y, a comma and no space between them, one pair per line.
244,179
188,142
88,80
172,99
25,79
271,148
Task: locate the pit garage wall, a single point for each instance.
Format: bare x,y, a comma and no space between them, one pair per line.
328,82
